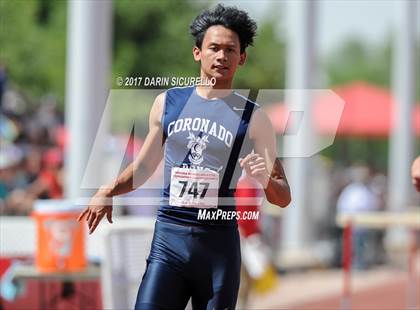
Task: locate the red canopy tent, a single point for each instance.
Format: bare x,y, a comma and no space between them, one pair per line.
368,112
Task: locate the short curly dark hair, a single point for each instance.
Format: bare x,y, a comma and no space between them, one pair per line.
229,17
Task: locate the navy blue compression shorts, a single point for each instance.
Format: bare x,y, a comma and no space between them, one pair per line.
198,262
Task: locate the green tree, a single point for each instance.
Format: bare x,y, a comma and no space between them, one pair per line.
32,46
360,60
356,60
266,63
150,38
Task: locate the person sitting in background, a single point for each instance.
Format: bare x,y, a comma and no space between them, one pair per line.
47,184
10,173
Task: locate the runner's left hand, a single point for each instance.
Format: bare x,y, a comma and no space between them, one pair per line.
255,166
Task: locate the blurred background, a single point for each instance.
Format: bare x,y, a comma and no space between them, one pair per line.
60,64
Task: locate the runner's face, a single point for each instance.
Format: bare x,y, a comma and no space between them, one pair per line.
220,53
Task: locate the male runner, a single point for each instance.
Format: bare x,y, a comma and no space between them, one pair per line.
205,136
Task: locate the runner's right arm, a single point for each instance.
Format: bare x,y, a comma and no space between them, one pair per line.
149,157
134,175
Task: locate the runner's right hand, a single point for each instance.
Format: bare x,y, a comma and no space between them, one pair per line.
99,206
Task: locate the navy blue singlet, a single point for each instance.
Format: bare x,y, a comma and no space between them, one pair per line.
220,122
190,257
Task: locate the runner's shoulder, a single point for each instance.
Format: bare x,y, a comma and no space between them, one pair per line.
169,95
157,109
177,92
255,106
259,124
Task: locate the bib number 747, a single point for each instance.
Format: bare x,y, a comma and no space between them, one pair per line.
194,188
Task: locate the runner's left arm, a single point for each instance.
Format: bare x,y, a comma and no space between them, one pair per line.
263,164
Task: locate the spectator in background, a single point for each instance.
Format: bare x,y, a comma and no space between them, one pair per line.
358,197
32,163
379,186
11,177
49,183
32,143
46,184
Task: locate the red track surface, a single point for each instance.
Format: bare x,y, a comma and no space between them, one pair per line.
387,296
34,297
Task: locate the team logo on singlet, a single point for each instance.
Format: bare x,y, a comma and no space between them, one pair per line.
196,145
203,125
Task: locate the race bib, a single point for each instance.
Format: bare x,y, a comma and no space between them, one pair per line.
194,188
